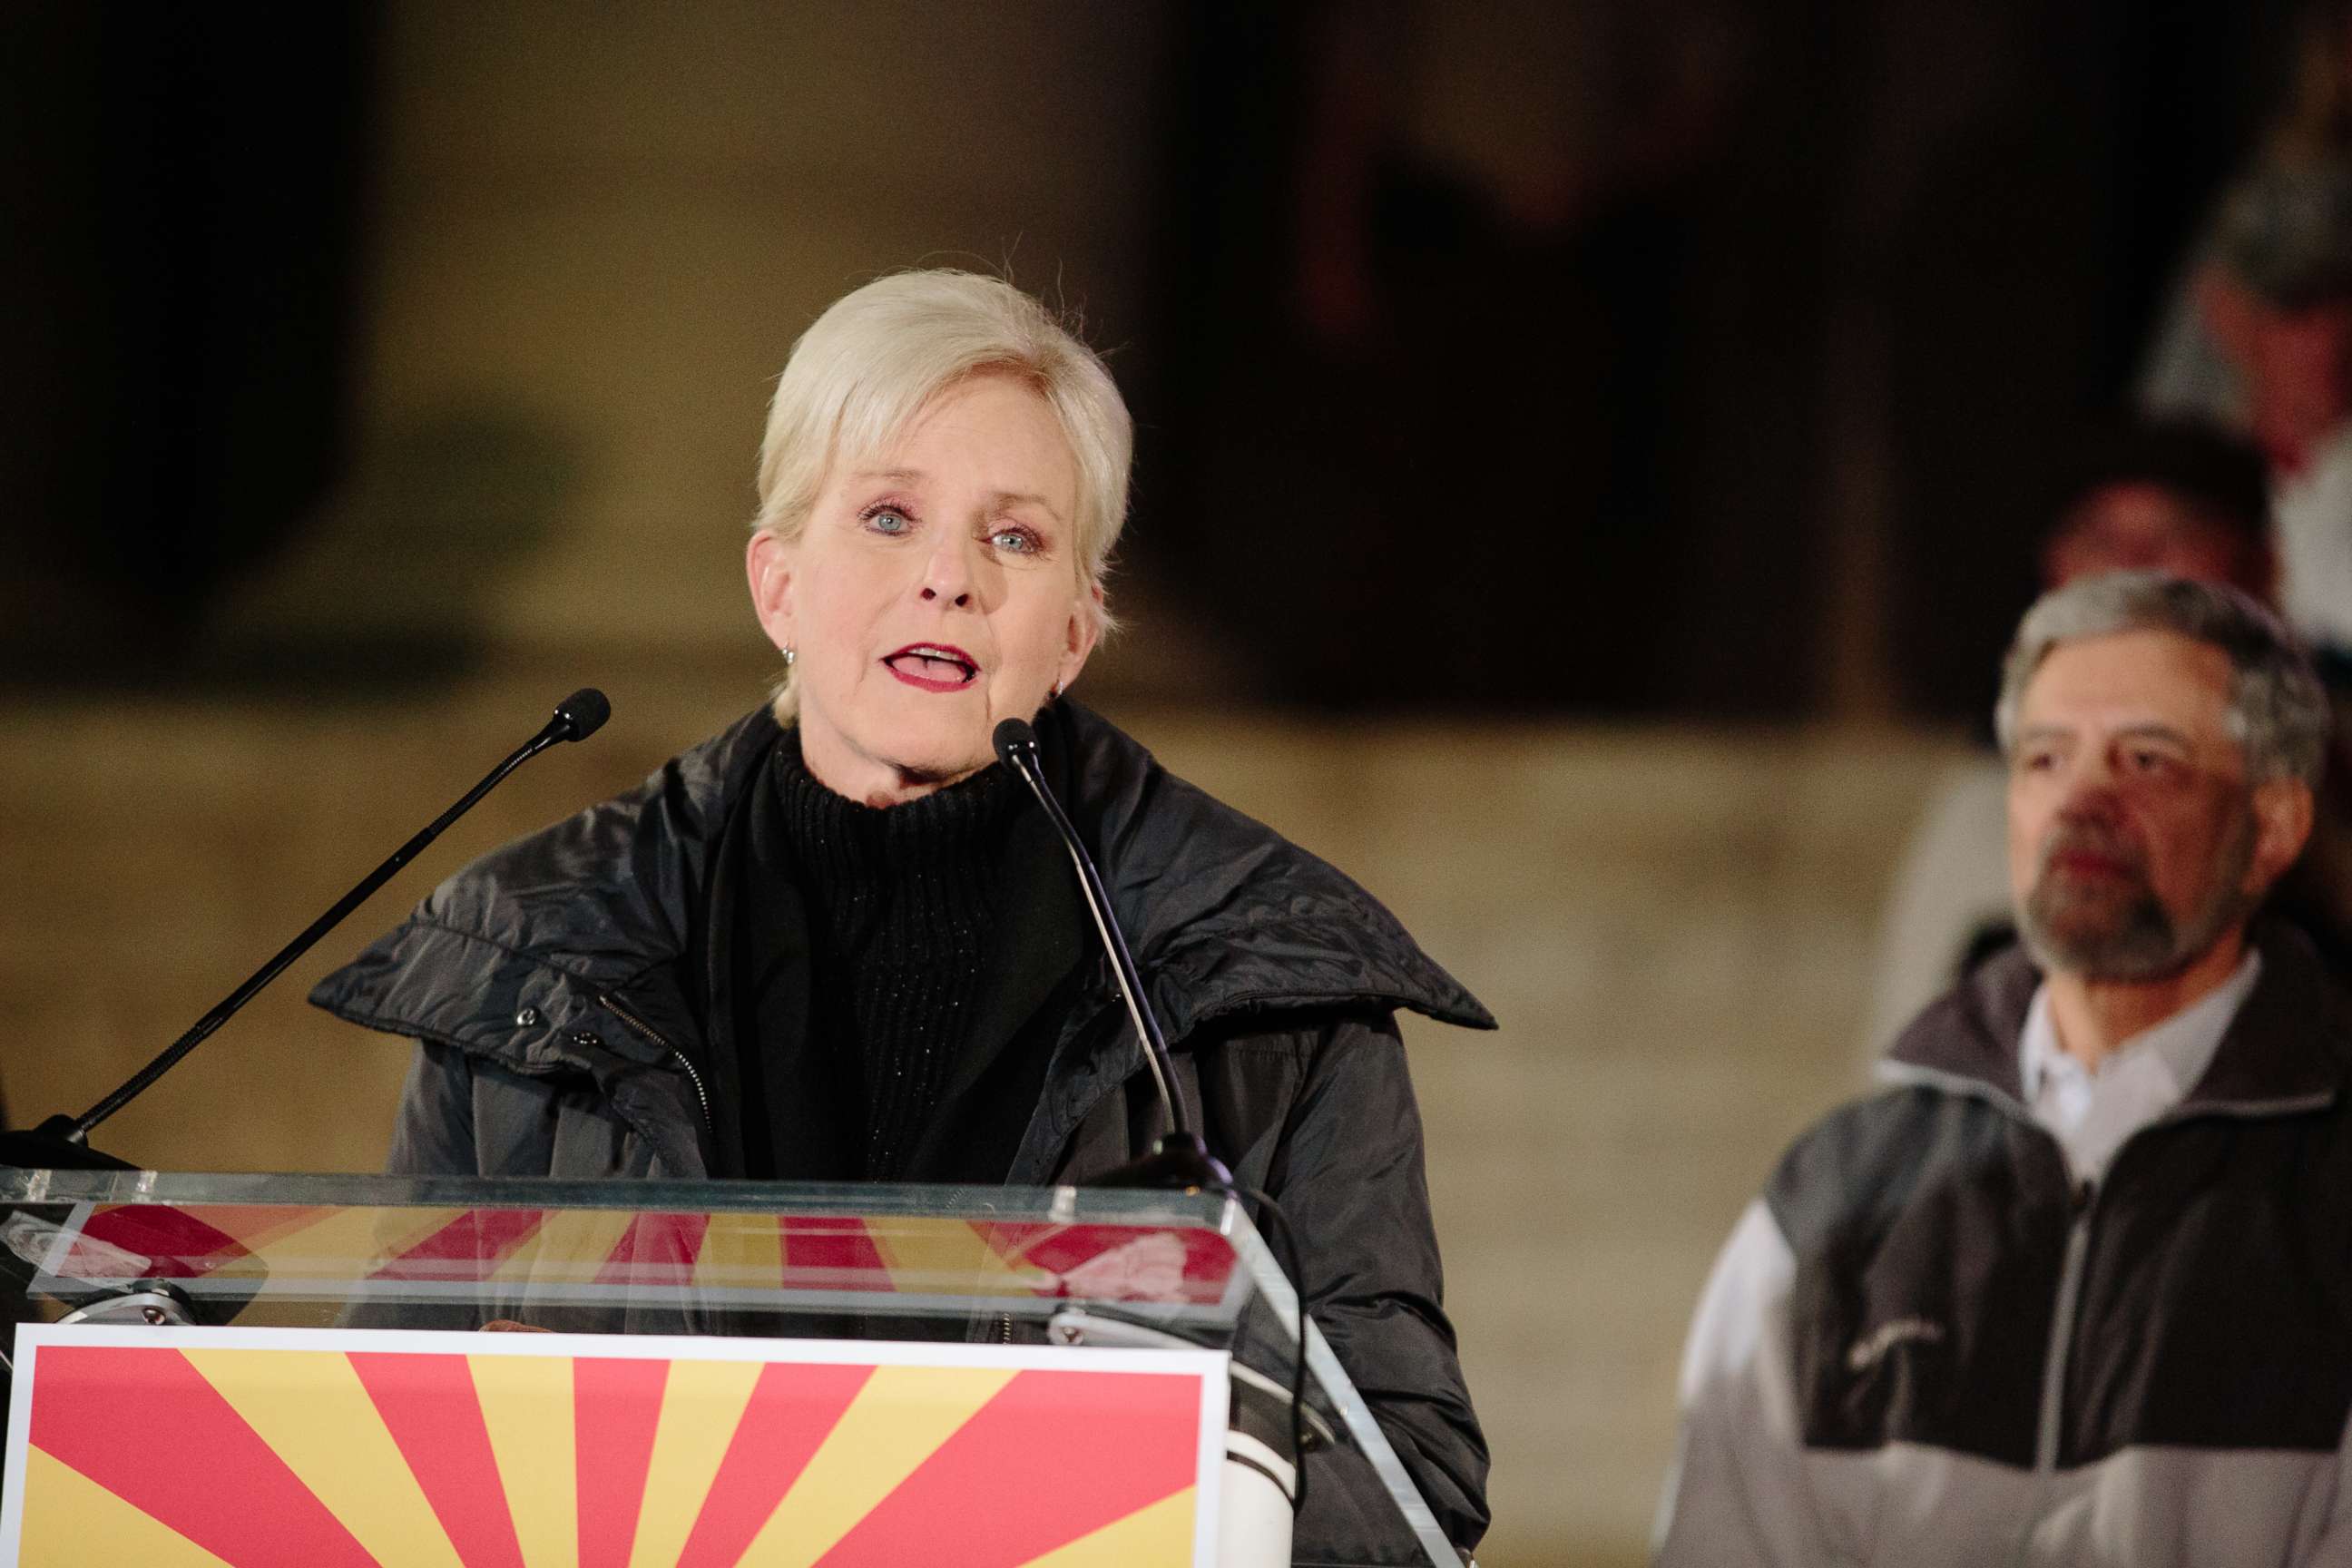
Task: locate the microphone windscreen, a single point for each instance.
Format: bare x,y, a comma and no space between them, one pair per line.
1014,735
585,711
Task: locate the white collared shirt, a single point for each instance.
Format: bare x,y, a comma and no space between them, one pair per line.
2091,1112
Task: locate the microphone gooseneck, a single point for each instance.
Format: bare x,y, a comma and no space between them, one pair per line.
1180,1159
577,717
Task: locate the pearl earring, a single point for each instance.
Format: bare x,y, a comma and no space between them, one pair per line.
790,656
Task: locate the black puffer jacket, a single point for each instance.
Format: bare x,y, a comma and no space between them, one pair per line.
558,988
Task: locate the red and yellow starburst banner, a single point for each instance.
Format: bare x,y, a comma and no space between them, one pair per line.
328,1447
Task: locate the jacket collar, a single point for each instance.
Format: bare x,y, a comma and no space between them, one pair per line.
517,955
1224,915
2287,1048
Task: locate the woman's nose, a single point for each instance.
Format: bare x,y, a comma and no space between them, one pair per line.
947,575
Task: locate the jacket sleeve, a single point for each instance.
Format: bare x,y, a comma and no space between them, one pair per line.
461,1116
435,1133
1738,1493
2333,1549
1349,1175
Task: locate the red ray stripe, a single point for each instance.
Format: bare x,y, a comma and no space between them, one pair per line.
429,1404
1054,1457
617,1405
832,1251
1208,1257
178,1244
1070,1245
792,1409
462,1249
656,1249
145,1424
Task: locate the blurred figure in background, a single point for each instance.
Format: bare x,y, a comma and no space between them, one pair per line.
2279,301
2073,1287
2176,497
2187,375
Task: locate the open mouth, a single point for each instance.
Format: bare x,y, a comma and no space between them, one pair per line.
933,667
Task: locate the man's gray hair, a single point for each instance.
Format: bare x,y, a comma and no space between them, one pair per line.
2278,711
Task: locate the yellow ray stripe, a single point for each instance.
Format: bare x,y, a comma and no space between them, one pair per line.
312,1409
898,1420
350,1243
570,1246
527,1405
702,1402
70,1521
1158,1536
741,1249
947,1254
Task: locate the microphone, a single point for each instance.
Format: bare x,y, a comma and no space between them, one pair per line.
1179,1159
61,1142
577,717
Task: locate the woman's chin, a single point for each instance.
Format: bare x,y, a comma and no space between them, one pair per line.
900,748
932,756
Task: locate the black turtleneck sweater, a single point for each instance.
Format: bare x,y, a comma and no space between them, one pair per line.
869,952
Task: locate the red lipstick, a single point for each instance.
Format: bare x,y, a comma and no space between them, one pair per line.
933,667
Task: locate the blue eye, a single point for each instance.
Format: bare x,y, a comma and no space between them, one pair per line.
887,519
1019,541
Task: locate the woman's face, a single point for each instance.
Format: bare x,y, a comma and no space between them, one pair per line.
934,592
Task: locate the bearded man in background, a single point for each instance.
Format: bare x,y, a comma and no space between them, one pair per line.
2076,1287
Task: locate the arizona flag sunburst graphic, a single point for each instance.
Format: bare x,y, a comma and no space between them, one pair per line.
329,1448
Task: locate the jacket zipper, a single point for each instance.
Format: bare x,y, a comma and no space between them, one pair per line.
2078,1247
606,1000
2078,1231
2062,1331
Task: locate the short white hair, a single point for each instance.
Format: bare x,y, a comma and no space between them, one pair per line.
866,369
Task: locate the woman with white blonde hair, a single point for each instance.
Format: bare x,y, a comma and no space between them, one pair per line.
840,943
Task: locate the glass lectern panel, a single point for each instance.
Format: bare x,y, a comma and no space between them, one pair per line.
1072,1266
320,1244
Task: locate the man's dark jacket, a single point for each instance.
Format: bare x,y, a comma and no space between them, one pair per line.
560,991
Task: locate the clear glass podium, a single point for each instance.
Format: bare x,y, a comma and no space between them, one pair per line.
534,1372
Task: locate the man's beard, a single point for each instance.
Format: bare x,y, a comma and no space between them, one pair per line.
2138,940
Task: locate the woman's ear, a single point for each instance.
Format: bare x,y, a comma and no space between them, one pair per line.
1083,631
768,563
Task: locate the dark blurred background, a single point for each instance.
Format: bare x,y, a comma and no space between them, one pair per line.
1687,358
1590,456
